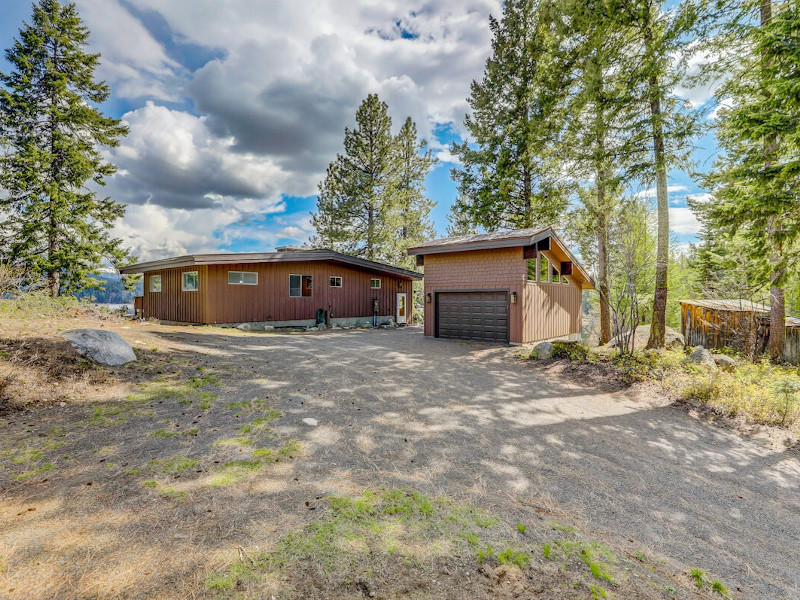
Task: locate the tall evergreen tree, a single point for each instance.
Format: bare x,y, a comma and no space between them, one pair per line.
510,175
357,199
755,184
659,46
597,146
414,160
50,132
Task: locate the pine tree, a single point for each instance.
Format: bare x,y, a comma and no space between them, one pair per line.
414,160
659,46
755,183
51,132
510,176
357,199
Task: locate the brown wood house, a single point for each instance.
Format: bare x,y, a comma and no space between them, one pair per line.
289,287
516,287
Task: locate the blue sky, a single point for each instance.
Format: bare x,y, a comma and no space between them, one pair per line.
236,108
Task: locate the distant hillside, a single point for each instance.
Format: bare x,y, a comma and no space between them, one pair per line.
113,290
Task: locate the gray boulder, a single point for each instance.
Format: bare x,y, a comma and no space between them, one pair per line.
701,356
269,328
726,363
244,327
543,350
101,346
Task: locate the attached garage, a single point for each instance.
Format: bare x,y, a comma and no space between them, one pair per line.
513,287
479,316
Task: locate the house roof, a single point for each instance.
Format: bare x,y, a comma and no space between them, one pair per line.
501,239
731,305
483,241
308,255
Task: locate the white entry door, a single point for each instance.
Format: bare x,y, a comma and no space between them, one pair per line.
402,309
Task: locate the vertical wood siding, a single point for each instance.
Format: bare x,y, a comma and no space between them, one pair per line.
551,310
270,300
173,304
715,328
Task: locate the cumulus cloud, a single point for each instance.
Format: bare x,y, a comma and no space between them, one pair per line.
268,111
683,221
671,189
132,60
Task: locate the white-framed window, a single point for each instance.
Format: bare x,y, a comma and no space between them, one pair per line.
335,282
300,286
375,284
190,281
242,278
155,283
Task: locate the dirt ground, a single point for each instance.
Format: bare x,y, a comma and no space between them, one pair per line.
135,492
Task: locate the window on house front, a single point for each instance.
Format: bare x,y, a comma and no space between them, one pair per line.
242,278
336,282
375,284
564,280
544,268
191,281
556,276
155,283
300,286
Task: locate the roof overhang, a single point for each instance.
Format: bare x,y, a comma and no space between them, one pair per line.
193,260
511,241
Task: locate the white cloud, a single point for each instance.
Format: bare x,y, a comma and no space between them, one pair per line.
131,59
702,198
671,189
683,221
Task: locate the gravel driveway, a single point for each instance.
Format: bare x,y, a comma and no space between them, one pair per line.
470,420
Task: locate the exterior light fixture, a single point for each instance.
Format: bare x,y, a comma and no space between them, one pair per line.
428,298
513,297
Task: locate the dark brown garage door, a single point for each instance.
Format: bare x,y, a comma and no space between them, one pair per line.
472,316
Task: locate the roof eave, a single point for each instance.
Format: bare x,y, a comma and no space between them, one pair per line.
422,249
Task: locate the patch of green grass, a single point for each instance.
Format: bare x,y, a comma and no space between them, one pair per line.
43,469
235,471
290,448
134,471
264,454
698,575
244,429
598,557
237,441
562,528
375,529
23,456
116,413
509,556
150,483
251,406
521,527
174,464
720,588
597,592
172,493
546,549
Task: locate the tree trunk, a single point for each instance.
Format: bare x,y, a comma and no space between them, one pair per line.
371,231
777,304
53,273
659,321
602,275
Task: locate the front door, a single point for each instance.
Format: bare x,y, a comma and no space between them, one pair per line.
402,310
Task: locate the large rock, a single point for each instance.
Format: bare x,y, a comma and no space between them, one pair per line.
726,363
701,356
101,346
543,350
